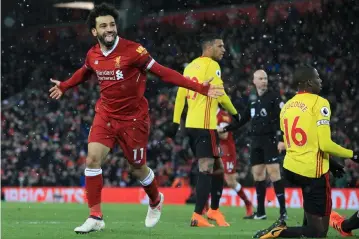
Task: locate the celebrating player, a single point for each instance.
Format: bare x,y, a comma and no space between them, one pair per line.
201,125
263,115
305,122
122,110
342,225
229,158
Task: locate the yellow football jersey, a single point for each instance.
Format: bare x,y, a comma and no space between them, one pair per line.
305,121
201,109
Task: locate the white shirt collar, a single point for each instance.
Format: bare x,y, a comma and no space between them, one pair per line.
106,53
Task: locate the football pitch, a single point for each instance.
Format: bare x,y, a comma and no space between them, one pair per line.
45,221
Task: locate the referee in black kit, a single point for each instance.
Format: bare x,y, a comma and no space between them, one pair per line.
263,113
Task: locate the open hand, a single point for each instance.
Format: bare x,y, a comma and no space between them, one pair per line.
55,92
214,91
281,147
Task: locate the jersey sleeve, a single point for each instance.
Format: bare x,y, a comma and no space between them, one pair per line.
87,64
140,57
79,76
179,105
323,113
214,71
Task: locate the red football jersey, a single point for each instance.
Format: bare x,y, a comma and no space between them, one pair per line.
121,72
122,78
228,146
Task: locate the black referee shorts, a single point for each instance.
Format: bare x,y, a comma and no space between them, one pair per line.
204,142
264,150
317,199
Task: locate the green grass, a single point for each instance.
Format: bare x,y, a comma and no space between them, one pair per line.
46,221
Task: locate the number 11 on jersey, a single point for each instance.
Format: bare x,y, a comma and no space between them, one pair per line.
135,154
294,131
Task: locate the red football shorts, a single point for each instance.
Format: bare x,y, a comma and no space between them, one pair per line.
229,159
132,136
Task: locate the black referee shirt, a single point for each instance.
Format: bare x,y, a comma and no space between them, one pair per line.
263,114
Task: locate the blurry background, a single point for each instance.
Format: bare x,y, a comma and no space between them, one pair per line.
44,142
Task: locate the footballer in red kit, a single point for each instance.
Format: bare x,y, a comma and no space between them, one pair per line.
122,110
229,158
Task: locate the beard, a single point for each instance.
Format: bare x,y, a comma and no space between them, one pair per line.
103,41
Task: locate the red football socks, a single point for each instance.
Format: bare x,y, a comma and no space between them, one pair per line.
150,186
242,195
93,187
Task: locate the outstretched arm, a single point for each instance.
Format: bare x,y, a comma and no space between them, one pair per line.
77,78
171,76
143,61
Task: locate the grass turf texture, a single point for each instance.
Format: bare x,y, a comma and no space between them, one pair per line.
40,221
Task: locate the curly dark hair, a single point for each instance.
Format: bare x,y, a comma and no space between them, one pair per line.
302,75
104,9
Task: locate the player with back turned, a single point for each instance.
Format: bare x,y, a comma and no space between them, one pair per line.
305,121
263,115
201,125
121,111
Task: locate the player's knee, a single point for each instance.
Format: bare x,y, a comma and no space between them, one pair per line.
140,172
93,161
259,172
230,180
205,165
274,175
312,231
259,175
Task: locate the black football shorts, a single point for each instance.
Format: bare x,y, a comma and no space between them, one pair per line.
316,192
204,142
264,150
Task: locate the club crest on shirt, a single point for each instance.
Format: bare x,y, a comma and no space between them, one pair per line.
218,73
325,111
118,62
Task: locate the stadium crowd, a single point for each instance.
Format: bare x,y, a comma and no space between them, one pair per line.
44,142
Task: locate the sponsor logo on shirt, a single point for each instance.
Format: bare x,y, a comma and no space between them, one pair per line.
109,75
141,50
